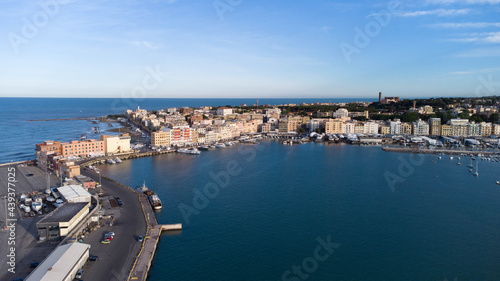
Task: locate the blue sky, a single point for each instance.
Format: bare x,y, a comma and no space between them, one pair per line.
243,48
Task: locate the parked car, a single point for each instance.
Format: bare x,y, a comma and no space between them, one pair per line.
34,264
93,258
105,241
139,238
79,274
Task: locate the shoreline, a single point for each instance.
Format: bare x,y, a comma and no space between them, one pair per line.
438,151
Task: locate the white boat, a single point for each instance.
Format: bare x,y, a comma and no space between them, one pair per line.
451,157
58,203
220,145
193,151
111,161
118,160
476,173
498,182
37,206
155,202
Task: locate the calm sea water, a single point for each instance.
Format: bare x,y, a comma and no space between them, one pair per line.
19,135
440,223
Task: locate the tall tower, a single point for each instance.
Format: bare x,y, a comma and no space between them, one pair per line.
379,96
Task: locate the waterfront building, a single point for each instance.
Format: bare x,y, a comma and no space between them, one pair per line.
314,124
446,130
287,126
211,137
61,221
265,128
349,128
486,129
85,148
359,128
395,127
161,138
473,129
496,129
370,128
47,146
334,126
435,126
420,128
385,130
406,128
116,144
68,169
62,264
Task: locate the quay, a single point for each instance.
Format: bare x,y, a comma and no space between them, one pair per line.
437,151
144,259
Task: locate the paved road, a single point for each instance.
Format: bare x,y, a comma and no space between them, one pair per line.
116,258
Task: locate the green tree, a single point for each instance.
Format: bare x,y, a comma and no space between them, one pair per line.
464,115
494,117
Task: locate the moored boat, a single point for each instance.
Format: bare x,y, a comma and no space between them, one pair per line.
189,151
155,201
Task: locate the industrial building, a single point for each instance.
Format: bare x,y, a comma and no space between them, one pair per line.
72,193
62,264
62,220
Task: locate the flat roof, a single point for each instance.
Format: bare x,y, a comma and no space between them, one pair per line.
64,213
82,178
72,191
59,263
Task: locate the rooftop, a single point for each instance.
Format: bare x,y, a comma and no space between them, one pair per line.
64,213
58,264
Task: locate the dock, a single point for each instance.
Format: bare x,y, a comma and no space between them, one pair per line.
144,259
437,151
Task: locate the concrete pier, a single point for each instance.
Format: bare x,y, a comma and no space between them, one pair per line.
438,151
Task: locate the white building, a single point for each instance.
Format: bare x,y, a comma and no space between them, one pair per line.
420,128
341,112
73,193
395,127
116,144
370,128
62,264
223,111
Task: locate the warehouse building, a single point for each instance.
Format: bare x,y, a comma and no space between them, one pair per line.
62,264
62,220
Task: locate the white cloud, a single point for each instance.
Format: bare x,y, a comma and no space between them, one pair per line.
147,44
465,25
487,37
436,12
475,71
472,2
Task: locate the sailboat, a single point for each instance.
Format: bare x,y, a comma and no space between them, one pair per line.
470,166
476,173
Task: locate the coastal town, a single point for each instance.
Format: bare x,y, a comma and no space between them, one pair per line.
79,204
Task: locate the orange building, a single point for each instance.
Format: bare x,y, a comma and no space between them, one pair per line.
48,147
83,148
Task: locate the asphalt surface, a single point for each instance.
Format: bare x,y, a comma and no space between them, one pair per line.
27,247
115,259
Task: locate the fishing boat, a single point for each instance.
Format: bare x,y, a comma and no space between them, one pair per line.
143,188
220,145
111,161
155,201
118,160
203,148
